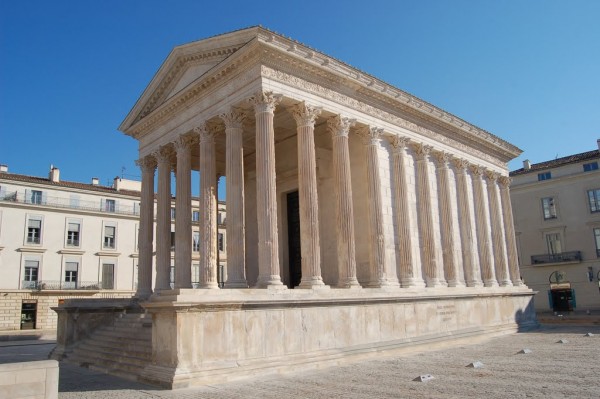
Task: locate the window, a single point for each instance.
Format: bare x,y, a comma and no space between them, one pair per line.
31,274
172,241
220,241
219,218
195,275
34,231
172,213
109,205
71,274
594,198
195,216
196,242
109,236
36,197
73,235
172,277
554,244
588,167
544,176
597,240
108,276
549,208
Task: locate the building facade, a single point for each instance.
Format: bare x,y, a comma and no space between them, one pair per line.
61,240
557,220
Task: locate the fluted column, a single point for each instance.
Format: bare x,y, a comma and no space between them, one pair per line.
469,258
446,220
380,275
339,128
146,234
305,116
236,223
509,231
208,208
482,224
425,217
266,195
498,241
163,220
183,220
409,275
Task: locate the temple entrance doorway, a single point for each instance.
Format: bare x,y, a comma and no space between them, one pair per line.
295,255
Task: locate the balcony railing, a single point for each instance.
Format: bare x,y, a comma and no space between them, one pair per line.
50,285
571,256
65,202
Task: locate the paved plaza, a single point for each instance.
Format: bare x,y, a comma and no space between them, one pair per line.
551,370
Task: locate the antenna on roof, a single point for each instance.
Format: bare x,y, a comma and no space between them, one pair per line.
122,172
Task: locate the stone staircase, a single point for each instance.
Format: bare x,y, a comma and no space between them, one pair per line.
122,349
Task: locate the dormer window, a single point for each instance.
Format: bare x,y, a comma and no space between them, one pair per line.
544,176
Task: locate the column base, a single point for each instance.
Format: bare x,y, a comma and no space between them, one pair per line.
312,282
212,285
350,283
236,284
412,282
474,283
519,283
270,281
505,283
490,283
455,283
433,283
383,283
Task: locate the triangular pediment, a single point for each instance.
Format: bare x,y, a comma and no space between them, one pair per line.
185,65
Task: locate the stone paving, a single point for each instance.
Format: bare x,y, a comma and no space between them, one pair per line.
551,370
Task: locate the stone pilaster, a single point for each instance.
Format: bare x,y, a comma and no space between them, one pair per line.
409,275
208,208
236,225
380,275
339,128
446,220
482,223
509,231
163,220
146,234
183,220
266,196
425,217
469,257
497,225
305,116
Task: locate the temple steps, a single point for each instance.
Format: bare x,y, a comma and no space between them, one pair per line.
121,349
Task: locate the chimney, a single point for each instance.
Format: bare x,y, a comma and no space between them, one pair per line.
526,164
3,168
54,174
597,142
116,182
94,181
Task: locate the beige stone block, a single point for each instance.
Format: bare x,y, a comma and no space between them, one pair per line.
293,331
255,334
30,376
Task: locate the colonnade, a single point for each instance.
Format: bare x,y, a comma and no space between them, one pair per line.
491,261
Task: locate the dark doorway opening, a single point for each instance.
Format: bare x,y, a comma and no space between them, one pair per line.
28,315
295,255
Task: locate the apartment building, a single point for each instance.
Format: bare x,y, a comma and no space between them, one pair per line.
556,207
62,239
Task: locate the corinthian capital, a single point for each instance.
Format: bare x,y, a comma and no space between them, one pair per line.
234,119
207,132
305,115
460,164
147,163
398,143
163,155
339,126
265,101
504,181
421,150
442,158
491,176
476,170
370,135
183,143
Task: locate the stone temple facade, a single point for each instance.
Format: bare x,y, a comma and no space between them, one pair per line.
360,218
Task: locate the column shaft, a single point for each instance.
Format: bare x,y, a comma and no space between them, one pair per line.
498,240
146,233
446,221
266,195
380,275
469,258
183,219
236,227
482,223
509,231
425,218
163,221
305,117
409,275
208,208
339,128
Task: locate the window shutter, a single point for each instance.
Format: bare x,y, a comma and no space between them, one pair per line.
71,266
32,263
550,301
74,227
35,223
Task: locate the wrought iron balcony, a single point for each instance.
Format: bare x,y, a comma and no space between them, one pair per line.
571,256
67,202
55,285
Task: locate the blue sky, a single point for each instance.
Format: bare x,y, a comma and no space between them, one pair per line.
70,71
